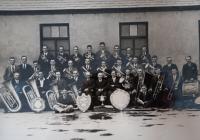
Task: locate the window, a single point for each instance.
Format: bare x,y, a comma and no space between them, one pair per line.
133,35
55,35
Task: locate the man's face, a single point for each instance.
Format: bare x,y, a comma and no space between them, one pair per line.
154,60
16,76
158,71
113,74
169,60
75,49
58,75
44,49
102,46
89,49
70,63
174,71
41,76
139,71
116,49
144,89
144,49
61,49
87,61
119,62
12,61
35,64
24,60
128,50
75,73
87,75
128,72
52,62
135,60
103,63
100,76
188,59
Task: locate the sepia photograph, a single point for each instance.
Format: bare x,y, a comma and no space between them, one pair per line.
99,69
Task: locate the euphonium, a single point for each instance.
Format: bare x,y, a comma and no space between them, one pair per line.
32,95
52,96
10,97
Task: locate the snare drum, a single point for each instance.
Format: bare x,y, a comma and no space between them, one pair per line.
191,88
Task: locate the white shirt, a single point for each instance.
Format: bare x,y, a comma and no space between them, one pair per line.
41,82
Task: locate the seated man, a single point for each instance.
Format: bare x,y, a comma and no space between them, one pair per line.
103,68
144,98
87,67
189,70
68,72
100,86
62,105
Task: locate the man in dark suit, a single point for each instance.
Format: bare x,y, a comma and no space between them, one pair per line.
87,67
52,70
60,82
61,59
145,57
101,88
168,67
128,57
18,84
26,70
116,55
189,70
44,60
10,70
90,55
77,57
103,54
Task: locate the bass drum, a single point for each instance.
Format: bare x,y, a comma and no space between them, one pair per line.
190,89
120,99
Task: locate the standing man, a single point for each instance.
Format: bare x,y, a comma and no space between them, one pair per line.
145,57
189,70
10,70
61,59
26,70
44,60
116,54
77,57
167,69
103,54
90,55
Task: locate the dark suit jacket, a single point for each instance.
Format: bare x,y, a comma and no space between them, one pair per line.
18,86
189,71
100,85
112,85
44,88
44,65
77,62
8,74
167,69
25,73
89,84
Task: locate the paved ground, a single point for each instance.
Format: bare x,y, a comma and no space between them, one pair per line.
127,125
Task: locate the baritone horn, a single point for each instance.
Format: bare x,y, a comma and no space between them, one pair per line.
31,92
9,97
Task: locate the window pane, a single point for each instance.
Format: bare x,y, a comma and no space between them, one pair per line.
46,31
65,44
50,44
133,30
125,30
55,31
139,43
141,30
126,43
63,31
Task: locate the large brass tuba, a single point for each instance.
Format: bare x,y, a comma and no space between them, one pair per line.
32,95
10,97
52,96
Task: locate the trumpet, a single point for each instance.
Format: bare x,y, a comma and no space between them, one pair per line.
10,97
68,73
34,75
103,71
158,87
119,71
61,59
32,95
51,74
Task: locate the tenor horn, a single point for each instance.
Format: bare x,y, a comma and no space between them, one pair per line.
9,97
31,92
52,96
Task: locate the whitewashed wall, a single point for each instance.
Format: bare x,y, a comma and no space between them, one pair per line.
170,33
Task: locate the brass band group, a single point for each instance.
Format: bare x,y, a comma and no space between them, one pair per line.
54,82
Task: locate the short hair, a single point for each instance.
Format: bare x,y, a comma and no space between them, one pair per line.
89,46
188,57
23,56
154,56
102,43
35,61
11,58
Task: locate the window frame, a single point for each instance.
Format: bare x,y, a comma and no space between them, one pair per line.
42,39
133,37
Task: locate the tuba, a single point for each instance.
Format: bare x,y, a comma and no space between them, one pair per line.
10,97
52,96
32,95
